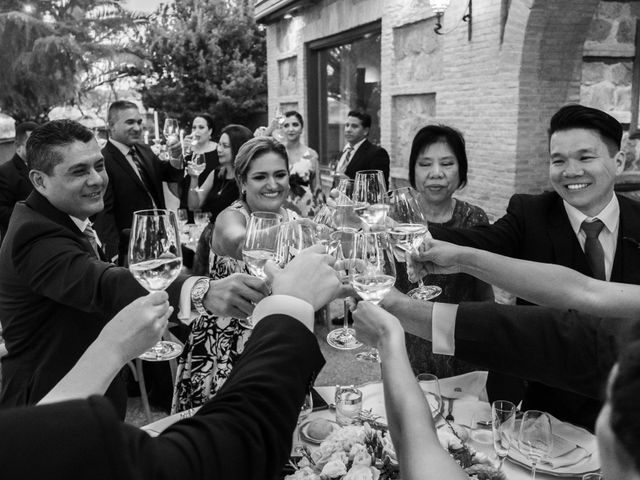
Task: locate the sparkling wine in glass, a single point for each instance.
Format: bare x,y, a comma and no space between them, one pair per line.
155,260
171,128
261,241
535,439
198,164
342,246
370,198
408,230
503,422
374,275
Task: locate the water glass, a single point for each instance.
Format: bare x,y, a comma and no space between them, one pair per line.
431,388
503,422
348,404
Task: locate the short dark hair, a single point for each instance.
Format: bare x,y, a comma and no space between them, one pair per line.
207,118
439,133
22,129
44,141
579,116
293,113
238,136
254,148
117,107
625,389
364,117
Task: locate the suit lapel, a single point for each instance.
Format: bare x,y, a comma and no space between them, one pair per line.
565,245
117,156
149,164
358,160
626,264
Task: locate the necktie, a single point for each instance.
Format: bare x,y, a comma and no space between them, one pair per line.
593,248
144,175
90,233
344,161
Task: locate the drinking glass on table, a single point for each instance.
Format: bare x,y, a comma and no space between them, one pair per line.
348,400
408,229
261,241
198,164
535,440
374,274
342,246
431,388
503,424
155,260
370,198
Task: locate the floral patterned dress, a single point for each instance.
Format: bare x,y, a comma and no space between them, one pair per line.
302,176
214,343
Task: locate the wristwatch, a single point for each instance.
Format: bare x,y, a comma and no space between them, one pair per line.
199,290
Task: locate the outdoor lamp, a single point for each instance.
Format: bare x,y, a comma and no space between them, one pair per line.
439,6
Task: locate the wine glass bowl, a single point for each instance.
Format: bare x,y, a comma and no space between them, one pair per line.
198,163
370,198
503,421
155,261
261,241
535,439
171,128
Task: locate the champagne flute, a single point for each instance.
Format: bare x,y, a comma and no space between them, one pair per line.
375,274
261,241
342,246
370,198
155,260
535,440
503,423
198,164
408,231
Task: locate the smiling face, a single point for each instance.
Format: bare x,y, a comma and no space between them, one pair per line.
127,128
354,131
583,169
200,130
292,128
436,173
267,183
77,184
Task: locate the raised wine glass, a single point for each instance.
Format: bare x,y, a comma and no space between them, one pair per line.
408,230
171,128
342,246
535,440
155,260
370,198
261,241
503,423
374,275
198,163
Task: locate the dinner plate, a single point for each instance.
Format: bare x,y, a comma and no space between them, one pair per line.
315,431
589,464
373,400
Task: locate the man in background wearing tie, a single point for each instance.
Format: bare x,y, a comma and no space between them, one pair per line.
359,153
56,289
135,176
582,225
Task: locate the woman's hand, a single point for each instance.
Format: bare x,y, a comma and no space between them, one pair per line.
434,256
190,170
375,326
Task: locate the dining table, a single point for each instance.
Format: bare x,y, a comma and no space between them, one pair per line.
467,396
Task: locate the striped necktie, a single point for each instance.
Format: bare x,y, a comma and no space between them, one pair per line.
593,248
90,233
344,161
144,175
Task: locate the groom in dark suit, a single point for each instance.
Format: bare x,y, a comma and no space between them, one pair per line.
135,174
581,225
359,153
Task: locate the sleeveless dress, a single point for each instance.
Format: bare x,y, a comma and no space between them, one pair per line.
214,343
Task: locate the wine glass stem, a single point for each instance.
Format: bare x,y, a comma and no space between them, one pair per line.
345,324
533,471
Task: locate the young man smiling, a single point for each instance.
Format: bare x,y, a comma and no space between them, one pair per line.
585,156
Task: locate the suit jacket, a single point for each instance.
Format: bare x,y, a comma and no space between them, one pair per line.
559,348
368,157
536,227
126,193
55,297
244,432
14,186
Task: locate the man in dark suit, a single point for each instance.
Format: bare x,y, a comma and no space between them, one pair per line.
359,153
135,175
55,291
14,176
585,156
244,432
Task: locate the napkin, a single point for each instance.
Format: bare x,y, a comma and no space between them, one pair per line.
468,385
571,445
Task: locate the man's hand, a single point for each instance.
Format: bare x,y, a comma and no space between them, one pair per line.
138,326
433,256
375,325
309,276
235,295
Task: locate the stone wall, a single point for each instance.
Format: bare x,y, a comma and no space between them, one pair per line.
500,88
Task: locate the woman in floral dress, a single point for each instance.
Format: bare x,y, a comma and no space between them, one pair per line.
214,343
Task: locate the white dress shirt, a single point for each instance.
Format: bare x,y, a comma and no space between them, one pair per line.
343,164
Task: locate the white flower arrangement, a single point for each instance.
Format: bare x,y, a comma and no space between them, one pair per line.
302,169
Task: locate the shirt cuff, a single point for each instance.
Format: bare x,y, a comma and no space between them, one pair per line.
443,327
284,305
185,314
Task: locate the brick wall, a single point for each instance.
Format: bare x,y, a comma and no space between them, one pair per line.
500,88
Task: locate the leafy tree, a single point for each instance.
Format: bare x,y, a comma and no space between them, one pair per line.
55,51
206,56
